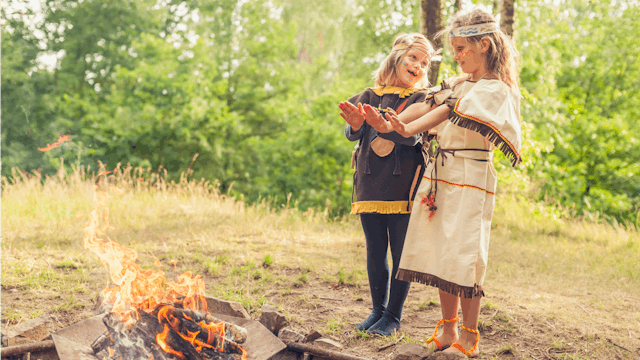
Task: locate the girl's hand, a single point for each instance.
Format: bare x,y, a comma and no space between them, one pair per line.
354,116
375,119
397,125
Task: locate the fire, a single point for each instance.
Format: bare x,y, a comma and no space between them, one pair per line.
136,289
61,139
160,338
212,331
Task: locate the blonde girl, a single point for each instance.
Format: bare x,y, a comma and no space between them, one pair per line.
386,165
447,241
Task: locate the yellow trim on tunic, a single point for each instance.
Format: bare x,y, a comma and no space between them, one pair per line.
381,207
402,92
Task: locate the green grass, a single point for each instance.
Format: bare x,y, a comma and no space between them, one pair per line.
268,261
426,305
507,349
334,326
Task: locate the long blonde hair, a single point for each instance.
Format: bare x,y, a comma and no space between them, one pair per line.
387,73
502,56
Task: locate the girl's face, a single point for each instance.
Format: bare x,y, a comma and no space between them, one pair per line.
468,55
413,66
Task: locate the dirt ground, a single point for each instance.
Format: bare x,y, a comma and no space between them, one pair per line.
508,331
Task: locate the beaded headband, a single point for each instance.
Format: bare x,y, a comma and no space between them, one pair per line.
473,30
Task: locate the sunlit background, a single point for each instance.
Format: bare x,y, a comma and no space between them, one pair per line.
252,88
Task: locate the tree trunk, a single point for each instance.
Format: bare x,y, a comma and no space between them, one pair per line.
457,5
507,17
431,22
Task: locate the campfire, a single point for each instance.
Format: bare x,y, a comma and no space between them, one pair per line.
152,318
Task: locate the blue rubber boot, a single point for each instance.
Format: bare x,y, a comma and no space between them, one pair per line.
375,315
387,325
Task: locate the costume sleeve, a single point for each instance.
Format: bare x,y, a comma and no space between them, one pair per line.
492,109
438,94
353,136
362,98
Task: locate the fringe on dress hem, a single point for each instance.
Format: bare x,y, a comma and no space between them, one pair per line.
467,292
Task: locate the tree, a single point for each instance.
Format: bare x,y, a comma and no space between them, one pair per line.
431,23
457,5
507,15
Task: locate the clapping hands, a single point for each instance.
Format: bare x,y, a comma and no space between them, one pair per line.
354,116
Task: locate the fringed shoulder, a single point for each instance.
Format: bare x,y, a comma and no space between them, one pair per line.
492,109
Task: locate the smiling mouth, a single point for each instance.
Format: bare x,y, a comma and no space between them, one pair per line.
412,73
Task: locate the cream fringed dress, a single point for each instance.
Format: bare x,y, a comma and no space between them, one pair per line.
449,247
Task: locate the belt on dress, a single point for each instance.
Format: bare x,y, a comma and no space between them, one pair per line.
473,154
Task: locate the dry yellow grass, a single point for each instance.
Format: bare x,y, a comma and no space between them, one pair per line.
567,282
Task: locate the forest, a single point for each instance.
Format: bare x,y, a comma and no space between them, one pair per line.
245,94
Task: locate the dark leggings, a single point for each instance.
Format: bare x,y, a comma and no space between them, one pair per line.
381,230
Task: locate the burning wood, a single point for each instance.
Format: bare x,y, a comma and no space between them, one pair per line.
158,339
151,318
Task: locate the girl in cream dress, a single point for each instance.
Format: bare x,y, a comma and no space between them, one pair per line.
447,240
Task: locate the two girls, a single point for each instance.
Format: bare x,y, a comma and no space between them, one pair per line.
447,241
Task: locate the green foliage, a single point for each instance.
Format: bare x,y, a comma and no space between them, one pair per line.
27,99
246,93
580,73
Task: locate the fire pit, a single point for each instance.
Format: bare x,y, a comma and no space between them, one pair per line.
80,341
150,317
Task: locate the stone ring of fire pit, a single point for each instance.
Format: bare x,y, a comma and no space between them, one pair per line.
74,342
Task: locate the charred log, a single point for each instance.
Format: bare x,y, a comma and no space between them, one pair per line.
140,340
232,332
135,342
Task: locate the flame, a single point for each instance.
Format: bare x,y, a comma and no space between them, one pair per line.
61,139
215,332
136,289
160,338
174,263
156,262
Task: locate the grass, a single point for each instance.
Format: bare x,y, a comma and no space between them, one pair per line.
426,305
572,271
507,349
334,326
